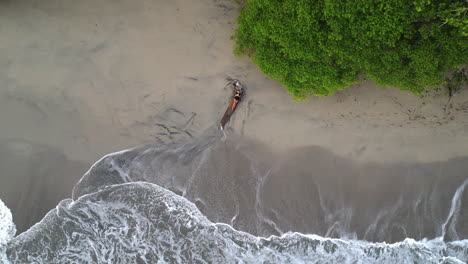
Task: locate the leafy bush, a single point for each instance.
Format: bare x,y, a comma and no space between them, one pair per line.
319,46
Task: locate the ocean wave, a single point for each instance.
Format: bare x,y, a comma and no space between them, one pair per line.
242,183
162,203
7,229
145,223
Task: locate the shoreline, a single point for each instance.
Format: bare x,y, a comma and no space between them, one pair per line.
86,83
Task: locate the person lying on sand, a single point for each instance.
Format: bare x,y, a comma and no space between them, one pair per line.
237,97
238,93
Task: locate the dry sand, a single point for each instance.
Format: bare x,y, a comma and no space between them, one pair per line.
86,78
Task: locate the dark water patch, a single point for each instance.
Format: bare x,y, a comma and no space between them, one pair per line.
34,178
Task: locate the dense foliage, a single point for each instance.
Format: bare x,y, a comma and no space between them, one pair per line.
319,46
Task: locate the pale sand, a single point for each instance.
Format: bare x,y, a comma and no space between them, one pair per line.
91,77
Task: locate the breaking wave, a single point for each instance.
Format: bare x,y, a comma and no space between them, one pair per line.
7,229
215,201
144,223
309,190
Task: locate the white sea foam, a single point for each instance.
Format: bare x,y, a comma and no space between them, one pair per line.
229,180
114,218
7,229
145,223
454,211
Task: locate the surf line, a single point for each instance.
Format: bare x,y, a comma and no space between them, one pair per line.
449,224
238,93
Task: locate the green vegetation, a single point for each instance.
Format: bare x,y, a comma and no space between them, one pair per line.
317,47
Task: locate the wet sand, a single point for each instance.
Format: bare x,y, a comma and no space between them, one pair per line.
86,78
310,190
34,178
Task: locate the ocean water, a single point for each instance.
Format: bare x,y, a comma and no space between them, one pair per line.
232,200
144,223
7,230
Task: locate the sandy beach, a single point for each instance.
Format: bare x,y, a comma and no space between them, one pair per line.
80,79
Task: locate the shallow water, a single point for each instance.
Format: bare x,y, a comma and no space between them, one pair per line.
243,183
275,198
34,178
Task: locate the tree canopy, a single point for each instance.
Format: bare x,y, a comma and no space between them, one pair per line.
319,46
